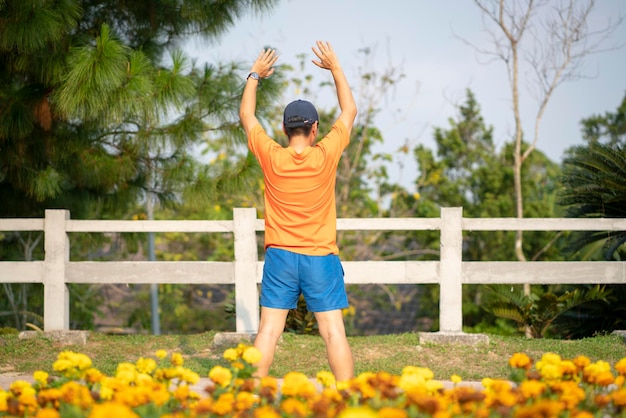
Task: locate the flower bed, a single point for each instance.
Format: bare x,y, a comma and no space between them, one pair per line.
161,387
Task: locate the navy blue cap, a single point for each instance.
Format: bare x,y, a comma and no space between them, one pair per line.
299,113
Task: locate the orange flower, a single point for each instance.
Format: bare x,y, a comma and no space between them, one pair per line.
543,408
112,409
389,412
619,397
532,388
620,367
245,401
581,362
294,407
266,412
48,413
605,378
520,361
224,404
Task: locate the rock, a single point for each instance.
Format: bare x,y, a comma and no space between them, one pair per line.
63,337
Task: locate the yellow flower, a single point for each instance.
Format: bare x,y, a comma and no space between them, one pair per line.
126,372
358,412
177,359
61,365
433,386
19,386
160,354
343,384
77,360
548,359
423,372
41,377
189,376
252,355
298,384
245,401
221,376
106,393
146,365
551,372
391,412
326,379
3,400
349,311
455,378
231,354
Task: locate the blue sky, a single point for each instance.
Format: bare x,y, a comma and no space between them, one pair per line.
422,39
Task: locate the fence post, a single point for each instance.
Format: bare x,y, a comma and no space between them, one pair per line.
246,259
56,298
450,269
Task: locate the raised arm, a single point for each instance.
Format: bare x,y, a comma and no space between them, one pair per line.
262,68
329,61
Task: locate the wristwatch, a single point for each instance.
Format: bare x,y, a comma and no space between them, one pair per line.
253,75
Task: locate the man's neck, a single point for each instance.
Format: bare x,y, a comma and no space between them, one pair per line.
300,143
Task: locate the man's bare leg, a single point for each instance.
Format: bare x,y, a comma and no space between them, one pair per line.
338,350
271,326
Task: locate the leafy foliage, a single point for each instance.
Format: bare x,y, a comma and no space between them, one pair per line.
537,311
594,180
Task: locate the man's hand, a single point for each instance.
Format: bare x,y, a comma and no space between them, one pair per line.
327,58
264,64
329,61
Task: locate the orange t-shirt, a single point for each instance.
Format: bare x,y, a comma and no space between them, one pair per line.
300,212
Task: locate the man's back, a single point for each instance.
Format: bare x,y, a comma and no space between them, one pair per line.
300,213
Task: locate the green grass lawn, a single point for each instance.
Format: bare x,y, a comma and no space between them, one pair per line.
307,353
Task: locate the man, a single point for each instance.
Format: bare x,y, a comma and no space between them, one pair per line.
301,254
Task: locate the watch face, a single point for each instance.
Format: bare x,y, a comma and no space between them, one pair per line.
253,75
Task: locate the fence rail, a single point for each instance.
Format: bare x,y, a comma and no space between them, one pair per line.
245,271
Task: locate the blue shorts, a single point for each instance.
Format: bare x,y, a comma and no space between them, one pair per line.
287,274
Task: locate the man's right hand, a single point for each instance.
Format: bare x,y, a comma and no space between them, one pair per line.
264,64
329,61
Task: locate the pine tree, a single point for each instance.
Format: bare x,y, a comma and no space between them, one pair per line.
99,109
91,116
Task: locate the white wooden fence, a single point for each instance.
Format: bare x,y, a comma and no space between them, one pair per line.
245,271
